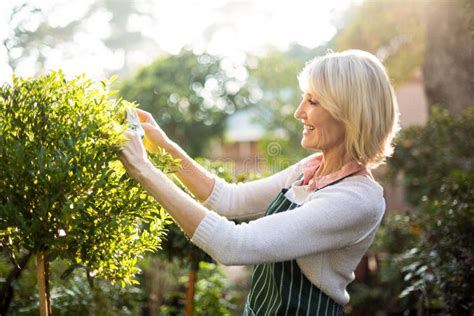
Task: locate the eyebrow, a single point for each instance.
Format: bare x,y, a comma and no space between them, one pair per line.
310,96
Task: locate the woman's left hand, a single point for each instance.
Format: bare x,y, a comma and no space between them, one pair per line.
187,212
133,154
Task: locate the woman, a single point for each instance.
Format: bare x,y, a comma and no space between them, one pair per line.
313,221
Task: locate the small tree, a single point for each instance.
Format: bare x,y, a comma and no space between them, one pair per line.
63,192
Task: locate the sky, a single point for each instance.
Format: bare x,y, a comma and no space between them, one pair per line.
224,27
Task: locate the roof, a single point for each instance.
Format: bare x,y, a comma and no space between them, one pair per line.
241,127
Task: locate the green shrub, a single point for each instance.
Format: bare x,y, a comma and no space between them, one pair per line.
63,190
443,261
426,155
437,164
425,255
380,292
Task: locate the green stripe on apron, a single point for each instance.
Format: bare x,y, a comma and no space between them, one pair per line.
281,288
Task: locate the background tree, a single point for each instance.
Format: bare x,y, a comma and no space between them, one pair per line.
31,36
189,95
392,30
414,35
122,38
274,87
440,264
64,194
279,95
449,56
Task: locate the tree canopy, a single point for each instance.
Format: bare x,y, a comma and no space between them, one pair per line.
63,190
391,29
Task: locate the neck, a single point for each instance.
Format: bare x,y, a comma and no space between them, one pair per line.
333,160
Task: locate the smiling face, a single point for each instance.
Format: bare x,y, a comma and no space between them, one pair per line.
320,130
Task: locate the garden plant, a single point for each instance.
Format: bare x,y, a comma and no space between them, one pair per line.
63,192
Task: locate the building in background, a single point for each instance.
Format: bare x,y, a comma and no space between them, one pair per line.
413,106
240,144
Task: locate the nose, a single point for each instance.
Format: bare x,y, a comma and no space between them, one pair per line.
300,112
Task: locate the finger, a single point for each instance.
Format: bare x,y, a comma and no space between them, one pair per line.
147,126
121,154
129,136
144,116
129,133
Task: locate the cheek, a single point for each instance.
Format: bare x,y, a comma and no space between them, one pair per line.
331,132
338,132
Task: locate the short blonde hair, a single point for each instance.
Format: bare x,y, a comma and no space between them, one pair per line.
354,88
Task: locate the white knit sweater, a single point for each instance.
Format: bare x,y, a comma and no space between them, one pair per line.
327,235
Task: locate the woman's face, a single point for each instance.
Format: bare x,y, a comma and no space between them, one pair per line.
320,130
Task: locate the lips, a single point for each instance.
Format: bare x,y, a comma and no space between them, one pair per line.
307,129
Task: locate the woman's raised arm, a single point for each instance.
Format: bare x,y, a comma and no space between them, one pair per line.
196,178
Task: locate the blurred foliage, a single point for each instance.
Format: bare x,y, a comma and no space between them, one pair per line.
393,30
177,248
176,244
63,190
275,89
189,96
468,7
31,36
437,164
428,155
380,292
442,263
425,257
213,296
73,295
122,38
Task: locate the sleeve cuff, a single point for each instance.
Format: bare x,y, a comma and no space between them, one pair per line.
205,230
212,200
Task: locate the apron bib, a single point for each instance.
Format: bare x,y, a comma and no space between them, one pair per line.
281,288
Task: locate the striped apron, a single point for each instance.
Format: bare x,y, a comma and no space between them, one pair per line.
281,288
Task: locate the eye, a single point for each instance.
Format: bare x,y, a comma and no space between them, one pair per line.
308,98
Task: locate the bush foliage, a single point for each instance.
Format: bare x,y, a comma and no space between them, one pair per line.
437,164
424,254
62,188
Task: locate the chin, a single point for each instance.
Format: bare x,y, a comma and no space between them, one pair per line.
305,145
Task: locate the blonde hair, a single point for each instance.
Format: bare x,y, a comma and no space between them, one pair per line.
354,88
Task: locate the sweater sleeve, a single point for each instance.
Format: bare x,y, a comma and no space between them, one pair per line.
250,199
337,217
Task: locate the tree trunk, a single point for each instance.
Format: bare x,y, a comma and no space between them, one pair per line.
189,306
6,292
449,56
43,284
